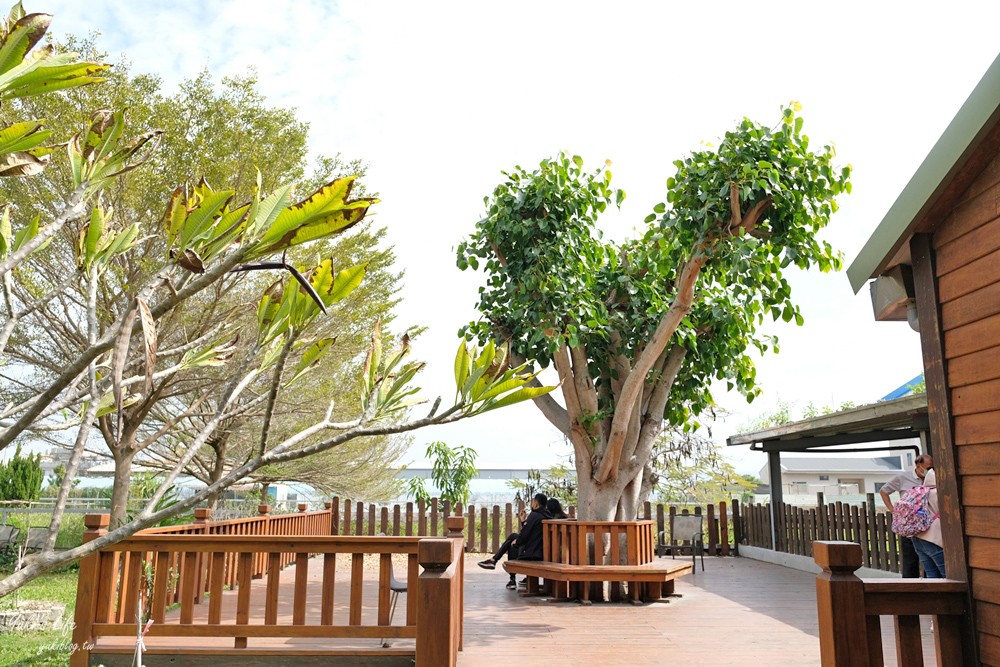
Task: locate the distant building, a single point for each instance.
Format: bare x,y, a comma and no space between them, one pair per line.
838,475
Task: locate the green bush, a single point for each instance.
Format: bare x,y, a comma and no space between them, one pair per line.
21,478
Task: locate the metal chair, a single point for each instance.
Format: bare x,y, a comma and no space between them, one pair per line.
688,528
396,587
36,539
9,536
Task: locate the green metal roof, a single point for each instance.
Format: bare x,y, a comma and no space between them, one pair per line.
930,178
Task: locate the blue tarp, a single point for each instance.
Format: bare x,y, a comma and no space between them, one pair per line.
905,389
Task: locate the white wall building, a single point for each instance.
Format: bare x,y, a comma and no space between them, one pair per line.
838,475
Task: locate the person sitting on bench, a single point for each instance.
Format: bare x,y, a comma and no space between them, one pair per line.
525,544
555,509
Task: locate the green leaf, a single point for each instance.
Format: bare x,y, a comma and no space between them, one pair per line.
462,363
311,358
522,394
325,213
27,233
269,208
22,136
95,230
5,232
26,32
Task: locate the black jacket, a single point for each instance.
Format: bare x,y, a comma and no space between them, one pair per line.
529,540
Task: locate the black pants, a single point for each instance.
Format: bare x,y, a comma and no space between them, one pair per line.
508,547
910,565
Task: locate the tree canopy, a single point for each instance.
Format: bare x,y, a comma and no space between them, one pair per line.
638,330
221,132
144,298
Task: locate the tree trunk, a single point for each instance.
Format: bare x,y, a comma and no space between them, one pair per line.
119,492
217,468
597,502
629,501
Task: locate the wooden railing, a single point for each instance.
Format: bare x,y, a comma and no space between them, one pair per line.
301,523
629,543
488,526
797,528
156,569
597,543
849,610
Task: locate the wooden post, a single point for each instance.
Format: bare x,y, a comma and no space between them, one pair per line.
436,627
86,591
738,531
840,602
774,479
724,527
335,516
264,511
202,518
456,525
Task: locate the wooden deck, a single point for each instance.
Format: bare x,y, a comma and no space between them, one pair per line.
737,612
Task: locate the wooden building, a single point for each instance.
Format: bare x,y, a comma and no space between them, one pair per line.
935,260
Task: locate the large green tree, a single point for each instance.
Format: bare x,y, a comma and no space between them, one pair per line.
638,330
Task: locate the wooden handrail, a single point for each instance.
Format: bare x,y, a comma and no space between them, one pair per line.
849,610
186,567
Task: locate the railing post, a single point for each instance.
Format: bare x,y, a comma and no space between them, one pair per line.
738,531
437,624
335,516
202,515
259,560
87,591
456,525
202,519
840,602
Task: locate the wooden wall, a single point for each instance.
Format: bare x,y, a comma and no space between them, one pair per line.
967,250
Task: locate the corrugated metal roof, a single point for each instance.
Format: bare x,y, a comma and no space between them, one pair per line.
883,464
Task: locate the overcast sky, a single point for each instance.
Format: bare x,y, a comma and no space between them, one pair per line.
439,97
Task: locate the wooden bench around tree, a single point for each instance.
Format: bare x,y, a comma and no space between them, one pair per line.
624,554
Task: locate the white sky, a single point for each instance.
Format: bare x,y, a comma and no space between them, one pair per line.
440,97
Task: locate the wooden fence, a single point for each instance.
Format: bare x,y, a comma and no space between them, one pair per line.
196,564
488,526
797,528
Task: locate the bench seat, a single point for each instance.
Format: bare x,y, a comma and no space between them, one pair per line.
648,581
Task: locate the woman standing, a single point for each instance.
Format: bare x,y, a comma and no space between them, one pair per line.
928,543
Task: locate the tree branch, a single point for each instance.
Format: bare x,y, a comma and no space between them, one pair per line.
632,388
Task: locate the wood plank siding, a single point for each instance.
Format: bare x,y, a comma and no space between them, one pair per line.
967,249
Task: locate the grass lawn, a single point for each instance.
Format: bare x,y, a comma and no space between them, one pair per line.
42,649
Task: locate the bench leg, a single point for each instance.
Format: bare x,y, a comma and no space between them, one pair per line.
667,589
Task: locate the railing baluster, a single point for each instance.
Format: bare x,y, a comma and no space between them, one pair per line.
301,588
357,582
216,586
273,588
329,585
